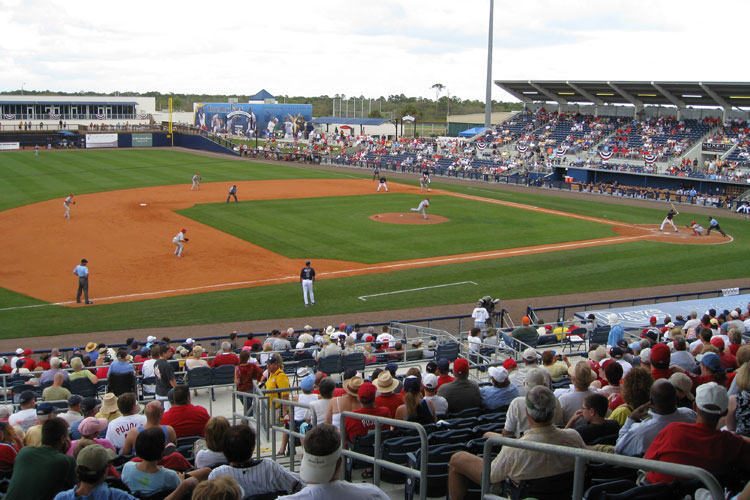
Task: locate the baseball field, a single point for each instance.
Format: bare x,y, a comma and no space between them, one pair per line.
369,250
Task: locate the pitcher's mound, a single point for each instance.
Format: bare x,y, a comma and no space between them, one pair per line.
408,218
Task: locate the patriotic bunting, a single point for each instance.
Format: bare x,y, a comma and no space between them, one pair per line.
522,148
481,145
605,155
650,159
562,149
99,116
9,117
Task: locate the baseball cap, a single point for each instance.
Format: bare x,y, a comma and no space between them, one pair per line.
660,356
461,366
430,381
652,319
189,341
510,364
529,354
391,367
28,352
683,383
318,469
45,409
498,373
19,351
303,371
712,362
430,367
412,384
734,314
651,335
526,320
90,425
308,383
713,321
366,392
88,404
712,398
95,457
74,400
26,397
150,338
646,355
443,364
616,352
718,342
622,344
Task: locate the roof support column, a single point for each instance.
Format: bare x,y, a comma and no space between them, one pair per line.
628,97
559,100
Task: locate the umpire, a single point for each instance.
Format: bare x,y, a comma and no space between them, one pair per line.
83,281
307,278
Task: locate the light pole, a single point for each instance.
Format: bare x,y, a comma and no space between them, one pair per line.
488,103
24,83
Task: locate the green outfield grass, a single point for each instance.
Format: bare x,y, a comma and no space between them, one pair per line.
340,227
26,179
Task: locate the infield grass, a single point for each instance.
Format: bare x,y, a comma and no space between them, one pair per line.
27,179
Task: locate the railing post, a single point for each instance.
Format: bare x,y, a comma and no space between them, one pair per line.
578,477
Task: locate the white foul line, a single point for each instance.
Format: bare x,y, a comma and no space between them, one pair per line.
364,297
377,267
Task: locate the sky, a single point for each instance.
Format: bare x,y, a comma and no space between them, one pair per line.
361,47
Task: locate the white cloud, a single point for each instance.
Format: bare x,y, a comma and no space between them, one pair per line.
363,47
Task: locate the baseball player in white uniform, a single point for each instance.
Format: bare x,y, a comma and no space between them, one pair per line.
697,228
67,203
180,240
196,182
422,207
424,182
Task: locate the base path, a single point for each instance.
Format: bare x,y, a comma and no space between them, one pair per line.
127,238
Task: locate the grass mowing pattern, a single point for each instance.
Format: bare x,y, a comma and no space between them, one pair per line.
25,179
304,228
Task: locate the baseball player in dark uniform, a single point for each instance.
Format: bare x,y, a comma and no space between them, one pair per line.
232,192
375,173
383,184
306,279
668,220
714,224
83,281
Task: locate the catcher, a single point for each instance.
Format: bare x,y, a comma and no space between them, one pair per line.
180,241
67,203
697,228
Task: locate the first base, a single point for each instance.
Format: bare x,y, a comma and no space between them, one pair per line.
143,204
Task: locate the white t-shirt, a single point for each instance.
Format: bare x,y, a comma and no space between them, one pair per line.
440,404
119,427
480,315
299,412
24,419
206,458
320,407
338,489
148,371
475,343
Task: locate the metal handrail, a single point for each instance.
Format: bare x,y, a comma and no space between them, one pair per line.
582,456
377,461
292,431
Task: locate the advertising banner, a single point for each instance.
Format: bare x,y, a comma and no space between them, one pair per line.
142,140
244,119
7,146
101,141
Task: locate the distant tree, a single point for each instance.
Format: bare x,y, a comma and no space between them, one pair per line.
410,109
374,114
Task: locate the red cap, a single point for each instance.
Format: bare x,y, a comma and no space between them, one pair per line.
183,230
718,342
366,392
652,320
461,366
28,352
548,328
342,326
605,362
428,199
509,364
660,355
526,320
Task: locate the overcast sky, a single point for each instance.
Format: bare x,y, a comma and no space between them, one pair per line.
362,47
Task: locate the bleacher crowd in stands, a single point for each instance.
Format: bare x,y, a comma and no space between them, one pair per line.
665,394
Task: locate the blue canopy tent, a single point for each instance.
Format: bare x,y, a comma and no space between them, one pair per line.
472,132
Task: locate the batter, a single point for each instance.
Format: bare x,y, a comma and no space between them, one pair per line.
668,220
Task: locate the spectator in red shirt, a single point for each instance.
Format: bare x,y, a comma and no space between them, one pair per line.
388,398
660,358
226,356
252,341
30,363
443,372
728,360
366,396
701,444
735,338
711,371
187,419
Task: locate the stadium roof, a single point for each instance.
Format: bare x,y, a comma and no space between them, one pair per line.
262,96
666,93
340,120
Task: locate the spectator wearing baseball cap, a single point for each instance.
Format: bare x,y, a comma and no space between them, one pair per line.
462,393
501,392
359,427
33,437
91,427
92,464
430,384
680,356
524,333
442,371
711,371
660,359
415,407
728,360
701,444
89,408
73,414
684,386
26,416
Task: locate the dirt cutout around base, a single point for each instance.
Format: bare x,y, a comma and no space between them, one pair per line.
409,218
684,236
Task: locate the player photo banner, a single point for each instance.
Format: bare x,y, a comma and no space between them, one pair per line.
605,155
247,118
94,141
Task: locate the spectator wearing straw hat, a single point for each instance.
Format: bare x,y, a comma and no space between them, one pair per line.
109,408
462,393
388,396
360,427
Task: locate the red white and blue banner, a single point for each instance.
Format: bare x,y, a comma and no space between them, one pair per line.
522,148
99,116
481,145
648,158
144,116
9,117
561,149
605,155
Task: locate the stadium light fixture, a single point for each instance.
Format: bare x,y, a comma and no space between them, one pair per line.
566,93
529,92
692,96
605,94
739,96
646,95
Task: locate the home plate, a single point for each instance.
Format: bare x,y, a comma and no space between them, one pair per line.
143,204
